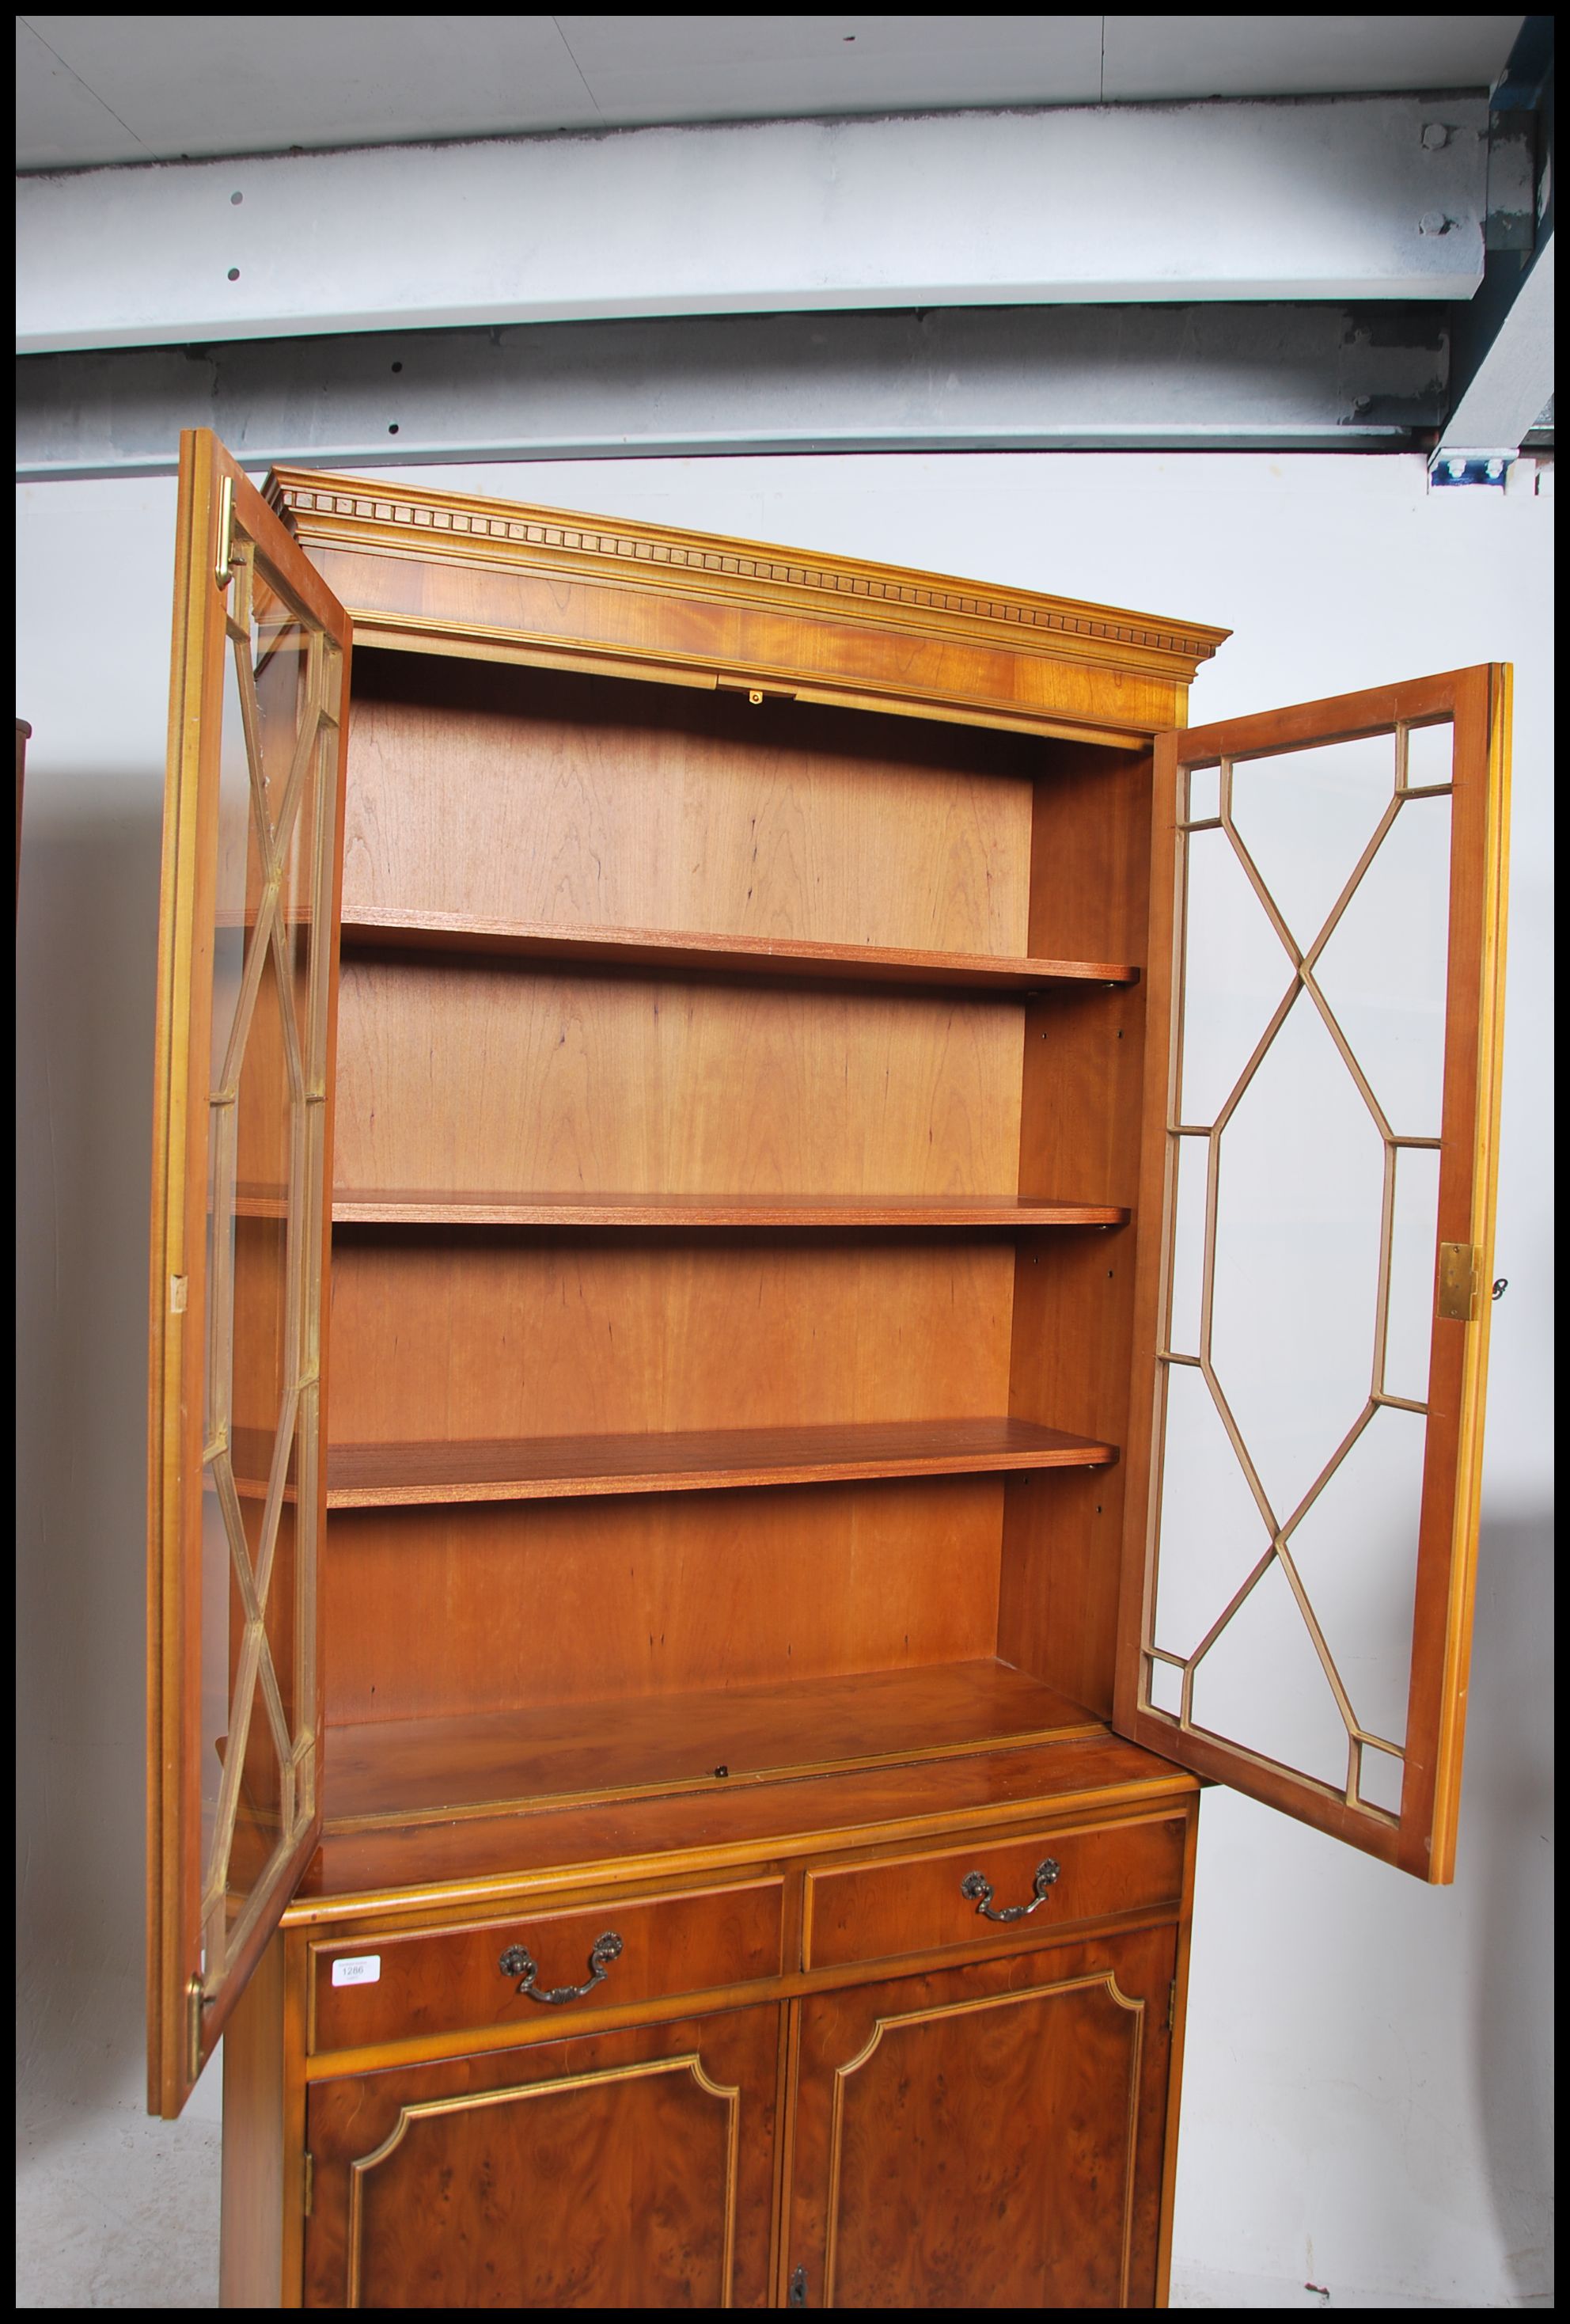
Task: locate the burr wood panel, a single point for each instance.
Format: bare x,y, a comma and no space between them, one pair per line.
432,1981
630,2170
986,2135
912,1903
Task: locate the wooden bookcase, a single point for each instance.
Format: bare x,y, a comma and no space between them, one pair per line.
658,1769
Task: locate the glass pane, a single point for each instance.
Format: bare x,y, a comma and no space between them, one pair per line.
1238,973
1191,1162
1166,1687
1262,1683
1430,754
258,1736
221,1226
264,1241
1414,1239
1204,793
214,1653
1380,1777
1305,819
1302,1199
1384,968
280,647
281,659
240,875
1355,1550
1213,1532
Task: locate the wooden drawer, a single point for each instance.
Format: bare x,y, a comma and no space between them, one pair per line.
411,1984
917,1904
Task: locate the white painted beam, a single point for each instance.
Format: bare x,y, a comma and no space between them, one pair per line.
1515,379
1350,200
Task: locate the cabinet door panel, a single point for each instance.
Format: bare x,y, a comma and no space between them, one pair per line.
241,1174
633,2170
1325,998
986,2137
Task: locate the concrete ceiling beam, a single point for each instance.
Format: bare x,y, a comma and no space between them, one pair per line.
1169,377
1376,198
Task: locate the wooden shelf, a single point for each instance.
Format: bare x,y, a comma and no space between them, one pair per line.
408,1771
401,1206
687,1461
687,953
255,1201
251,1455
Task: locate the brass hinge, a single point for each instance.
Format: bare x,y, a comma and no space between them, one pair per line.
224,561
1172,2007
194,2002
1460,1277
310,2181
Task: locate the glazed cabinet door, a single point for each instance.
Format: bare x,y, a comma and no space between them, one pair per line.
985,2138
624,2170
241,1179
1325,1000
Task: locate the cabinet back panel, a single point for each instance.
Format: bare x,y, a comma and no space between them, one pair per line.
481,1077
489,1335
435,1613
533,795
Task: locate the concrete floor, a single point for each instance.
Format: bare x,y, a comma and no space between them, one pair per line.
113,2211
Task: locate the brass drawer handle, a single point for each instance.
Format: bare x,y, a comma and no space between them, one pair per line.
516,1962
974,1886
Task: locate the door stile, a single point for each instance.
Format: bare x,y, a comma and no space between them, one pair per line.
1468,1199
252,870
183,1024
1152,1251
1419,1834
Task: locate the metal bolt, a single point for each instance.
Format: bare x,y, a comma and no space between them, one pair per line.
1436,134
1433,222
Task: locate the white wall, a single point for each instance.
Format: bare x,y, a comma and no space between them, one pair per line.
1367,2087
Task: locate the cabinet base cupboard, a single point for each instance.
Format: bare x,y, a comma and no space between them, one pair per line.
906,1248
